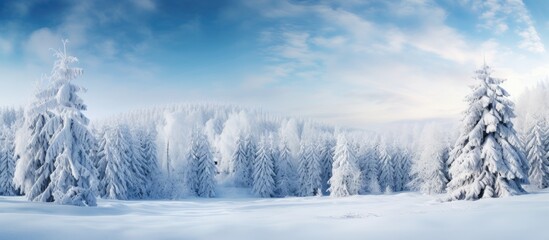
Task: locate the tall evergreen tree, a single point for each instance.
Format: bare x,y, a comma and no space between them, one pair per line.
241,164
345,178
263,171
73,176
285,176
487,160
7,162
369,168
429,171
115,163
387,171
537,157
148,152
402,169
203,166
309,171
326,158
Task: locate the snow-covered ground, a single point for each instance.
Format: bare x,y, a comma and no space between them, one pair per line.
398,216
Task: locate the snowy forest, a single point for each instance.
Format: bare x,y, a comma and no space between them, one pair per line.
51,152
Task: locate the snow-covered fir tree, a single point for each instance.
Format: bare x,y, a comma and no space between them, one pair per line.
369,168
326,158
429,170
241,165
263,171
487,160
285,176
148,152
73,177
537,157
7,161
309,171
345,178
115,156
203,166
387,168
402,169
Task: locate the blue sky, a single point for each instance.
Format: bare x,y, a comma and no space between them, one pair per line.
353,63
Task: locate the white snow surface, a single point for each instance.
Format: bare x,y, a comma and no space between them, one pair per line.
396,216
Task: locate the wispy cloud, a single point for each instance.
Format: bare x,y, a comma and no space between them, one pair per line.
497,15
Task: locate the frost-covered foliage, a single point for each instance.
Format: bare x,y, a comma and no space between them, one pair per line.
345,180
286,174
487,160
326,158
7,161
147,152
538,158
114,163
309,171
387,168
263,170
241,165
55,144
429,170
203,166
402,163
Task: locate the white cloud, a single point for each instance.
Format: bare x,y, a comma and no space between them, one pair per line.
497,14
148,5
40,42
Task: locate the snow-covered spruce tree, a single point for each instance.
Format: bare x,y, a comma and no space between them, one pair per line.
115,156
309,171
345,178
402,169
7,162
487,160
429,170
537,157
202,165
326,158
139,165
72,180
148,152
285,176
251,153
369,168
263,171
387,169
241,166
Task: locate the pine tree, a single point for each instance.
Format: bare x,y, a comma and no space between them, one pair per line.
115,163
263,172
7,162
487,160
204,170
309,171
537,157
241,165
402,170
369,168
345,178
285,175
387,172
326,158
72,180
429,171
148,152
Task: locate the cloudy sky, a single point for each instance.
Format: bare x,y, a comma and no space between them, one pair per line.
348,62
